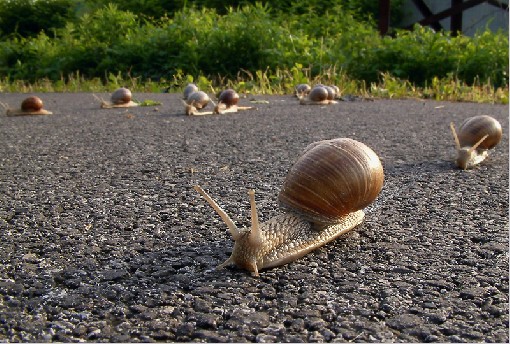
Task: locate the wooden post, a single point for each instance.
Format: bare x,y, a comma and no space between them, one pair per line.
384,16
456,19
426,12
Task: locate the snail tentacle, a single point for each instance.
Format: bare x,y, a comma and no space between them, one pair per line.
255,235
475,146
224,216
455,137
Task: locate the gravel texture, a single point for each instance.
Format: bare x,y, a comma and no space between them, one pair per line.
102,237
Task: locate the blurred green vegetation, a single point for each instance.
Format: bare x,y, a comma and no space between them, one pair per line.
284,41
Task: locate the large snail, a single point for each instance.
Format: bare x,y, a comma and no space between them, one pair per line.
32,105
319,95
120,98
323,196
476,135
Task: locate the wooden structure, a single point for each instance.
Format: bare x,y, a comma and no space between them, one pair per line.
454,12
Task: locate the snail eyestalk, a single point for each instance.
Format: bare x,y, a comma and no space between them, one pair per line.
475,146
255,235
228,221
455,137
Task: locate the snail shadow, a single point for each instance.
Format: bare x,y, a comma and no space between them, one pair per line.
171,268
420,168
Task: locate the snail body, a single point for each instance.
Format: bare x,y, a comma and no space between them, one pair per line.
31,105
341,176
476,135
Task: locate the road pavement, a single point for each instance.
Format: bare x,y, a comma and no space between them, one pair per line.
102,237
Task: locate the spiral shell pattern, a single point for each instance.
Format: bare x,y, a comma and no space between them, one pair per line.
331,179
474,128
121,96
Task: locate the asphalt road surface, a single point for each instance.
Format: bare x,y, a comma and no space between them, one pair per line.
102,237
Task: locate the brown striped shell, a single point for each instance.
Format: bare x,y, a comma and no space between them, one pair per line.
229,97
198,99
331,179
474,128
318,94
189,89
121,96
32,104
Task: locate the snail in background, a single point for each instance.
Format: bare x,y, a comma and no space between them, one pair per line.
227,103
120,98
32,105
196,101
229,97
476,135
323,196
189,89
302,90
319,95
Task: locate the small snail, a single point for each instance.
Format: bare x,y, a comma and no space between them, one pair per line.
32,105
196,101
336,89
302,90
319,95
229,97
475,137
331,92
120,98
227,103
323,196
189,89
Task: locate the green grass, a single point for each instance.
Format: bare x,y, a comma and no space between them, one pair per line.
278,83
279,50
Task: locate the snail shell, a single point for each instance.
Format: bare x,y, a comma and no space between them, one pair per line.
198,99
121,96
331,92
318,94
189,89
229,97
331,179
473,129
325,192
303,89
31,104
